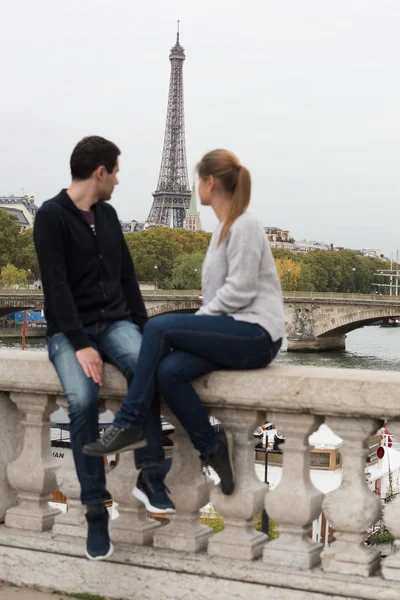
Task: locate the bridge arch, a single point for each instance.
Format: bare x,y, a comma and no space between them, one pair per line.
170,307
350,321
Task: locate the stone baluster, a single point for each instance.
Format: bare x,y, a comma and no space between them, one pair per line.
32,474
239,539
132,526
296,502
73,521
190,492
11,436
391,516
352,508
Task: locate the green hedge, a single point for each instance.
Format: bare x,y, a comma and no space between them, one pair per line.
216,522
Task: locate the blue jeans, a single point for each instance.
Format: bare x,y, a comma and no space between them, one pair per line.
118,342
199,344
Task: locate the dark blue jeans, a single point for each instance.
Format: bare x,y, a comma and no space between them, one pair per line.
199,344
118,342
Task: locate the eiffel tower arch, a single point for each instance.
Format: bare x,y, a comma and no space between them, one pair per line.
172,196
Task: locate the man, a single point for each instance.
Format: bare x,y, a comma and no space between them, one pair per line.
95,313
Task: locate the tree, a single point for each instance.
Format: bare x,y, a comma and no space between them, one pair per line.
11,276
187,242
325,267
26,257
153,255
281,253
9,237
289,272
159,247
305,281
186,274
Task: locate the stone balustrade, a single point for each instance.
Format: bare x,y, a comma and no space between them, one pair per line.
41,547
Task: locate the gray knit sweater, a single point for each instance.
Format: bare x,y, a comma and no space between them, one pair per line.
240,278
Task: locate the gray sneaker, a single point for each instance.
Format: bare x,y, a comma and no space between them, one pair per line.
117,439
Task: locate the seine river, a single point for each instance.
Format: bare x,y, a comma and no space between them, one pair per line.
367,348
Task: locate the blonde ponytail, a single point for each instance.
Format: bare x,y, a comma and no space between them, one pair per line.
234,178
240,201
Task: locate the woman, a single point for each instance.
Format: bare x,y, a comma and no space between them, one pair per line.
239,326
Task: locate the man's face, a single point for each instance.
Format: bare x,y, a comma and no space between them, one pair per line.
107,182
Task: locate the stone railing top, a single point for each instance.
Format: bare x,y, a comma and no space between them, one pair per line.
336,392
288,295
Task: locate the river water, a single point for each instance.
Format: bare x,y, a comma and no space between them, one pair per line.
367,348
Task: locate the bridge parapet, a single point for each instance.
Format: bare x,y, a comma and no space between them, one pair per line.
312,321
40,547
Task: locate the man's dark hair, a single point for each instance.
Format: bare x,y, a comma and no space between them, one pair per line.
90,153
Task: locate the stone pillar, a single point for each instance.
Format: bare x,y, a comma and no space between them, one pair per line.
11,436
391,516
352,508
72,522
190,491
296,502
317,344
239,539
132,525
32,474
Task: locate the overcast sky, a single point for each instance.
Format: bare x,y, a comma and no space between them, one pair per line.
305,92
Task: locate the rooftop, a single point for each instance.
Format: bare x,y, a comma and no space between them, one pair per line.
27,201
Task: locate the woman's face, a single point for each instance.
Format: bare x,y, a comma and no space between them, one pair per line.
205,189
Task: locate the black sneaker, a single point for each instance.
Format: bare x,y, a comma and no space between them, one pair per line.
152,491
117,439
99,546
221,460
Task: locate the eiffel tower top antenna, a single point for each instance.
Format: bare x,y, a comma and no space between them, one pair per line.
177,35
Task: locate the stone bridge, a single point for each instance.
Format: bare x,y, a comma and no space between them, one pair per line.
156,304
321,322
313,321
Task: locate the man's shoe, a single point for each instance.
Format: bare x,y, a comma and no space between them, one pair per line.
99,546
221,460
117,439
152,491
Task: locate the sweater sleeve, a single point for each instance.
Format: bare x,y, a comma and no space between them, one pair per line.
49,244
244,252
130,288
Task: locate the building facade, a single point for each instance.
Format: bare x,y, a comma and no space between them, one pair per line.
276,234
308,246
23,208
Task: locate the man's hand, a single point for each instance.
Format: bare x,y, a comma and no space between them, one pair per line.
91,363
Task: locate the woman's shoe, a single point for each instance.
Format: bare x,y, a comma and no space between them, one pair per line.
221,460
152,491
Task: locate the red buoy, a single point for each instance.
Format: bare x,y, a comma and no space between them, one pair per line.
380,452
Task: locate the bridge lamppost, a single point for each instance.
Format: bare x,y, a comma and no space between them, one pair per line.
288,278
195,276
354,279
156,269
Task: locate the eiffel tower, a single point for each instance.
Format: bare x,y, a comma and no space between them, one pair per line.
172,196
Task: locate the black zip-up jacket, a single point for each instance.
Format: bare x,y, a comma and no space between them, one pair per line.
87,278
